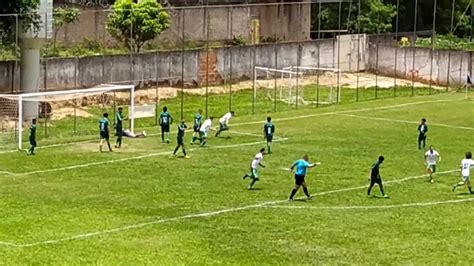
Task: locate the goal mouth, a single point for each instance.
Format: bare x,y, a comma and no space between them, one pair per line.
295,85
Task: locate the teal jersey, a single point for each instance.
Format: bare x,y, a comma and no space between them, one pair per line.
119,120
197,120
181,128
166,118
269,129
33,131
104,124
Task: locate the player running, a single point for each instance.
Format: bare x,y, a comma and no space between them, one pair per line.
375,177
197,126
432,157
32,138
165,121
119,127
301,166
104,131
180,138
256,162
466,165
268,131
224,122
204,130
422,132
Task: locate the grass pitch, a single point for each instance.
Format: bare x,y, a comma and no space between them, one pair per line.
70,204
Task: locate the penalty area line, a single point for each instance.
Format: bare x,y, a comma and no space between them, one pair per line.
190,216
368,207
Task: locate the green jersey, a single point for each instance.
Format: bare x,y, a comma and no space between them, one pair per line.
33,131
119,120
181,128
269,129
104,124
166,119
197,120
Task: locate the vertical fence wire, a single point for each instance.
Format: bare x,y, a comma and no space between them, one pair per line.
183,17
396,50
415,37
432,51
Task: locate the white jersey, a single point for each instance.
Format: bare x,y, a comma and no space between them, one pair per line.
225,119
206,125
431,157
257,160
466,166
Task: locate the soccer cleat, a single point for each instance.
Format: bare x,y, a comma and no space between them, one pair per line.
386,196
310,197
187,157
144,133
432,181
291,200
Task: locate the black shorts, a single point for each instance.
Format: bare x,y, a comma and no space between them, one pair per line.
119,132
165,128
180,140
375,180
33,141
299,180
196,128
104,135
421,137
269,138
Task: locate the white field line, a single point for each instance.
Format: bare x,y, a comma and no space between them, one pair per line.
405,121
139,157
6,173
368,207
277,119
195,215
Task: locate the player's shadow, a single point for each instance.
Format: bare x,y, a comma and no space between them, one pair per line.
463,194
255,188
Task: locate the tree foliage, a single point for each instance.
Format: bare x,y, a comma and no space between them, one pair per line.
63,16
134,24
9,23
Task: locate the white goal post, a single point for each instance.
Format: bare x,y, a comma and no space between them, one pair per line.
18,101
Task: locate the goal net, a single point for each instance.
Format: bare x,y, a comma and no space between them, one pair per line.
296,85
63,116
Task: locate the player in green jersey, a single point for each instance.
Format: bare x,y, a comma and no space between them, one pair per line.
268,131
119,127
165,121
180,138
197,126
104,131
31,150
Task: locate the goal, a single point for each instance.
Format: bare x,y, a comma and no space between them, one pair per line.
63,116
296,85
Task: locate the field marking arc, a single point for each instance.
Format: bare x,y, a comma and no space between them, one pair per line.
405,121
278,119
368,207
197,215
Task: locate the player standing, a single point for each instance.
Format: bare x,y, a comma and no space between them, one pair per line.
375,177
165,121
104,131
302,166
197,126
422,131
204,130
32,138
432,157
180,138
119,127
466,165
224,122
256,162
268,131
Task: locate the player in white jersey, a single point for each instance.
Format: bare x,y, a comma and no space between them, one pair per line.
204,130
432,157
256,162
224,122
466,165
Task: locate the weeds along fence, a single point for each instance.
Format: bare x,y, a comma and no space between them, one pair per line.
207,58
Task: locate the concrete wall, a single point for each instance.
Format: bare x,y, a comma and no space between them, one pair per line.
285,22
224,63
442,67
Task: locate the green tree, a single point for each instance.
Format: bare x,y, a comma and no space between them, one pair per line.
377,19
9,24
134,24
63,16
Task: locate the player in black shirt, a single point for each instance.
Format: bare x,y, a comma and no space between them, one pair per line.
375,177
422,131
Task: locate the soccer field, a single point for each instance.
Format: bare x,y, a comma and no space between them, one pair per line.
70,204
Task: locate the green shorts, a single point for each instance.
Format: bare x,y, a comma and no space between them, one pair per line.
253,173
432,167
202,134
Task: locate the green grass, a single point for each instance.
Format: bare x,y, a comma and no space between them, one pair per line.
139,188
